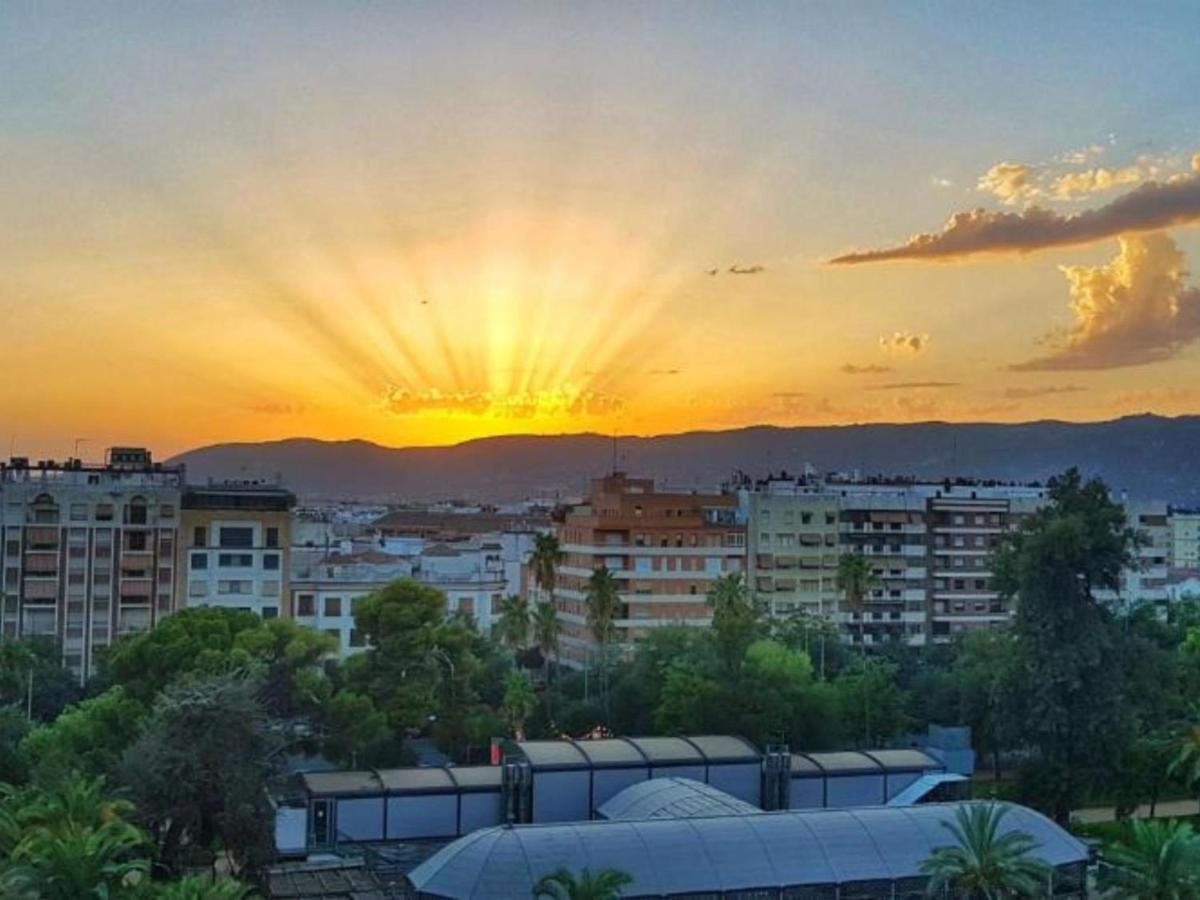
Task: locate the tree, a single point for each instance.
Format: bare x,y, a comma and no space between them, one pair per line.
602,605
1158,860
13,728
86,739
283,652
547,628
563,885
199,772
983,863
70,843
1068,682
197,639
199,887
519,701
544,561
355,733
736,619
869,694
984,671
856,578
32,678
514,622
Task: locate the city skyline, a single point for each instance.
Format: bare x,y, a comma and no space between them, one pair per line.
423,225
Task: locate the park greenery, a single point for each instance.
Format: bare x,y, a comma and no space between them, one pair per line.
153,779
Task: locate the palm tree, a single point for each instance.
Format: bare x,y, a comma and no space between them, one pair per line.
562,885
546,630
200,887
71,843
514,622
856,578
1160,860
602,605
984,864
1187,762
544,561
518,702
736,618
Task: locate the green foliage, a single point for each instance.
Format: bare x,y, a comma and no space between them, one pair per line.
13,728
1158,860
355,733
856,578
194,640
544,560
1068,664
72,842
86,739
587,885
513,627
602,605
199,887
983,863
547,628
736,619
519,701
872,704
199,772
53,687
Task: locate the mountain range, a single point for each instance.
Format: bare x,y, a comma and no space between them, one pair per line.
1146,457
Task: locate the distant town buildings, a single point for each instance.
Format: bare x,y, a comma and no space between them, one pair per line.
89,552
664,548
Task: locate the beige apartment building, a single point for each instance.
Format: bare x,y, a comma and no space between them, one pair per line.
664,548
235,545
87,550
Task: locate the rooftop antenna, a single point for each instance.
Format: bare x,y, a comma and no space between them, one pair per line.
614,451
79,441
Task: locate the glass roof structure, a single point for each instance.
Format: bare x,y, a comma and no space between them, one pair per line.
768,852
673,798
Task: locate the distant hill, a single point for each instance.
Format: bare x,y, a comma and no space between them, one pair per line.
1149,457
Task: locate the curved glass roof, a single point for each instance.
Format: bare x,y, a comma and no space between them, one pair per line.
723,853
668,750
725,748
673,798
898,760
553,754
611,752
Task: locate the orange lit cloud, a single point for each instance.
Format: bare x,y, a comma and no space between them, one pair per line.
1136,309
1011,182
905,342
1150,207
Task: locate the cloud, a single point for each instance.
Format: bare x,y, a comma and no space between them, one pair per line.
913,385
1082,155
1028,393
746,270
940,182
1100,179
1134,310
566,400
904,342
665,371
1011,182
852,369
272,408
1150,207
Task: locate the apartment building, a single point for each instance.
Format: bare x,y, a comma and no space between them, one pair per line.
87,550
1185,538
235,541
664,549
792,549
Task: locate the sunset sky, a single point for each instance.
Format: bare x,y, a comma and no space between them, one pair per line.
423,223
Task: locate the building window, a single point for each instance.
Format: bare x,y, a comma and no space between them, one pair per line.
199,561
237,537
197,589
104,512
199,536
271,561
235,560
270,612
137,541
356,638
272,537
79,512
137,512
166,511
304,604
235,587
333,606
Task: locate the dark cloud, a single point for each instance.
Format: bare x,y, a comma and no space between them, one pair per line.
746,270
1149,207
852,369
913,385
277,409
1028,393
665,371
904,342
